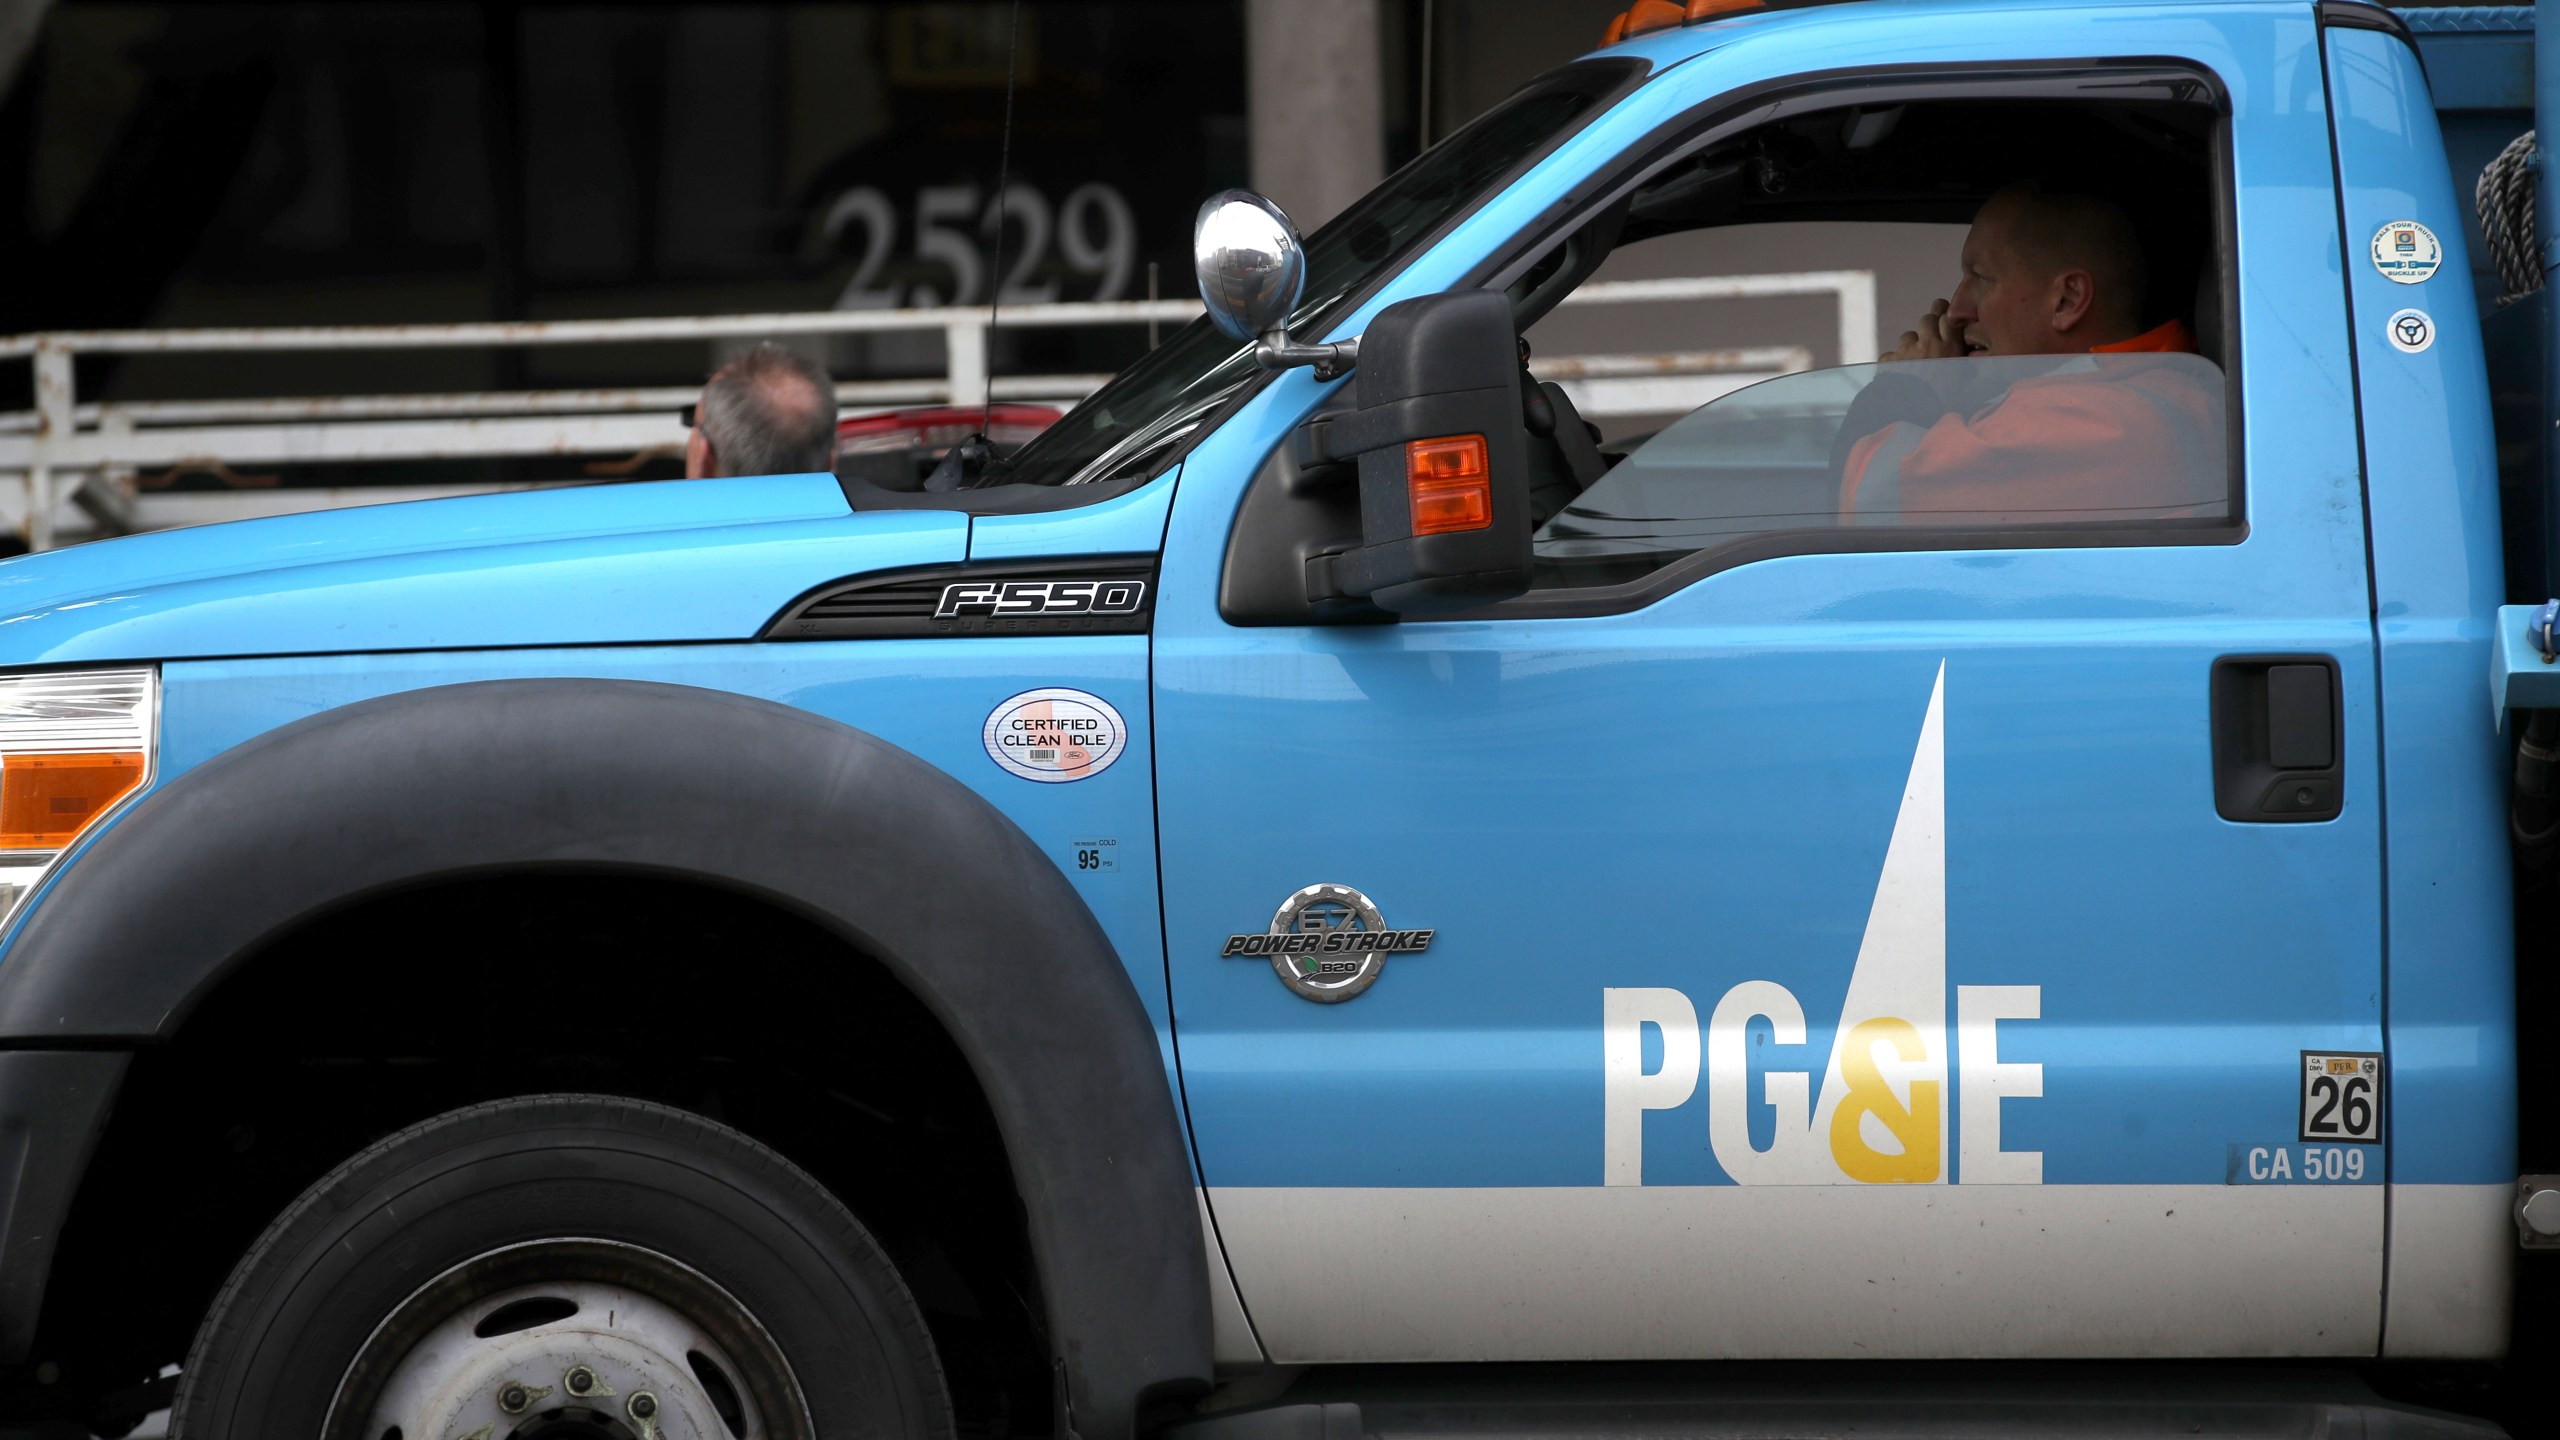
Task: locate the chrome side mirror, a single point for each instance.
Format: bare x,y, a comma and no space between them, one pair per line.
1252,274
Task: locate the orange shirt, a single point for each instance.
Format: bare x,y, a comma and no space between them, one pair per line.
2172,338
2130,440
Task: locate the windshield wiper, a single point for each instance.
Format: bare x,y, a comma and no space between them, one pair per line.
964,466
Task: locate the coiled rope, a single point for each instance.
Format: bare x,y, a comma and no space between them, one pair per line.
2504,198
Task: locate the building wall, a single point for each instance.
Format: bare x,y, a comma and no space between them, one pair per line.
300,163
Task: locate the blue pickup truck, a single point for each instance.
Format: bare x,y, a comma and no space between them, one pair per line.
1314,893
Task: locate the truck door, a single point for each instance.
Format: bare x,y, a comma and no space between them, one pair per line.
1801,937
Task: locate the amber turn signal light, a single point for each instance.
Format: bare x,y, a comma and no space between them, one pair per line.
1710,9
1450,482
47,800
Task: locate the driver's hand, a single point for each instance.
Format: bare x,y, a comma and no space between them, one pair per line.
1938,338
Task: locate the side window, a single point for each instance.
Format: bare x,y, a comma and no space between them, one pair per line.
1706,401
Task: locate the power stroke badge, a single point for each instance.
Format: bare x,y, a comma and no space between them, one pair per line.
1327,943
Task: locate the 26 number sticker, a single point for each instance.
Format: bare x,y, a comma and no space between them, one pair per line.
2342,1097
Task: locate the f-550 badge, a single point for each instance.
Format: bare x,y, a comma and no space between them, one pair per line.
1041,597
1328,943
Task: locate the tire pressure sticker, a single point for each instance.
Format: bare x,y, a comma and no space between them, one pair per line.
2342,1098
1094,856
2411,331
1055,735
2406,252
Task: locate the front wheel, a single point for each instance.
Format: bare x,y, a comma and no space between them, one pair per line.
564,1266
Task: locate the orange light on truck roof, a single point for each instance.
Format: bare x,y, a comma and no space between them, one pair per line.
1646,16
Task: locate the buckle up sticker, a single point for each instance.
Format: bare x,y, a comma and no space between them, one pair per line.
1055,735
2406,252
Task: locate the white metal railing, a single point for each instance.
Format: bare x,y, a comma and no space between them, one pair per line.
88,453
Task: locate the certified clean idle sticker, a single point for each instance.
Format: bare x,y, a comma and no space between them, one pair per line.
1055,735
2342,1097
2411,331
2406,252
1327,943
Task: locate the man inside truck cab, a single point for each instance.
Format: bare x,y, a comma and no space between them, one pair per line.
2049,271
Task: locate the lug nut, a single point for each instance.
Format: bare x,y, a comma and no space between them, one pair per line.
512,1398
643,1405
580,1380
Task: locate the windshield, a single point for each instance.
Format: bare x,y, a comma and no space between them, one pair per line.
1149,413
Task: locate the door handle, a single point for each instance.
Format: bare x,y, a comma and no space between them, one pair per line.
2278,728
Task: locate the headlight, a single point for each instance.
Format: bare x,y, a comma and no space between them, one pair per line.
73,746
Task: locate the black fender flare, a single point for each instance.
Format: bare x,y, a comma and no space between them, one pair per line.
901,859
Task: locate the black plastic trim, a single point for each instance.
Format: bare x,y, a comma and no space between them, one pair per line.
1277,1422
2365,15
1835,1399
861,494
53,1108
602,776
902,604
2254,782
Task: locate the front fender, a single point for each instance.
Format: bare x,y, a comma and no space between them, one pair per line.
864,838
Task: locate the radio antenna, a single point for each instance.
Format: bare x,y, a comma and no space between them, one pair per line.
1004,186
974,455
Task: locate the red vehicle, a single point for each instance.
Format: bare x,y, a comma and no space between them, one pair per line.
897,449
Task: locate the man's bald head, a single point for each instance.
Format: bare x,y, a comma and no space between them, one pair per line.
2056,228
770,411
2048,270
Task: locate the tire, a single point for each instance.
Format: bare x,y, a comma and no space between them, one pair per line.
423,1283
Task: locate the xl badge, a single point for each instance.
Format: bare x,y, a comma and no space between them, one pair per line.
1328,943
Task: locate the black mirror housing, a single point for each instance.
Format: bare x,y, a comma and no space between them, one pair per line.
1438,367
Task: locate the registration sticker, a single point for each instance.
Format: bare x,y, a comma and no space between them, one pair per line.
2341,1097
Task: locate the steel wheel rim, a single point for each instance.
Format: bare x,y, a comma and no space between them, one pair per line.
493,1349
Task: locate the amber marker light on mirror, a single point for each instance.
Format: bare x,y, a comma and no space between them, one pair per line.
1450,482
73,746
1713,9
